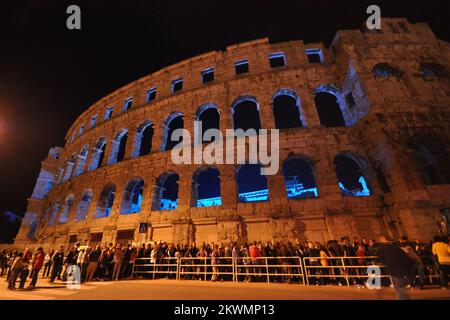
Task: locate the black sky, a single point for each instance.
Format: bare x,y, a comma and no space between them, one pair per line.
49,74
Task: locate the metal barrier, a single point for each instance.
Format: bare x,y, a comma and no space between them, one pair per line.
340,268
268,267
165,266
206,266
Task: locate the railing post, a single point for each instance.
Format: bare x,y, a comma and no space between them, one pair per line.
267,270
345,271
177,277
306,271
302,270
206,266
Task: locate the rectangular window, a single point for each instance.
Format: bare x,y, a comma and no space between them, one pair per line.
127,104
277,60
350,100
177,85
108,113
314,55
151,94
241,66
207,75
93,121
80,132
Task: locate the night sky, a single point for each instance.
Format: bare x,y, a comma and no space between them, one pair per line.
49,74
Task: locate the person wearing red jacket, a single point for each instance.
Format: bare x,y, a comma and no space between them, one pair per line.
36,265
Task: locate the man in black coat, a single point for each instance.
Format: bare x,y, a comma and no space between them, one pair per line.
397,265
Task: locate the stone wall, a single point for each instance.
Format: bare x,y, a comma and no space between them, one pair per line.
387,113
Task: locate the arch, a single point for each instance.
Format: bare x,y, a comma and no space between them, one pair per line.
328,101
286,110
132,196
205,190
385,70
245,111
81,162
143,139
165,194
209,116
83,205
350,169
251,185
105,201
98,154
68,203
119,146
299,180
431,158
173,121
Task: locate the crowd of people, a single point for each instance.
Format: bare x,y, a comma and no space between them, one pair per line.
111,262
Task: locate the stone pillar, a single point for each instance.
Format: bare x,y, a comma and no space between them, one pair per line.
309,109
79,168
113,153
95,157
266,112
228,187
68,172
184,191
136,144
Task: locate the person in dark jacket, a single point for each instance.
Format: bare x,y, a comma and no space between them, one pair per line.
397,265
57,262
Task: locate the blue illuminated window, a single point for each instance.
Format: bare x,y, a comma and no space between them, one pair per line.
177,85
108,113
127,104
208,75
241,66
151,94
93,121
314,55
81,130
277,60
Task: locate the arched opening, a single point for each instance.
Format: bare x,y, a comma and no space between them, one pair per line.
433,70
328,108
252,186
246,114
98,154
431,159
349,171
144,137
174,121
286,110
64,216
166,192
132,197
119,145
299,178
206,188
82,156
105,201
83,205
209,116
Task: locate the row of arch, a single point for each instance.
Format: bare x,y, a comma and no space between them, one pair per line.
299,182
286,107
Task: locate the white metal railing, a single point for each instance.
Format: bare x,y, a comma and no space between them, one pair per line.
340,268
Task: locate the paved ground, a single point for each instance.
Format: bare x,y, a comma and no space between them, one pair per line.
193,290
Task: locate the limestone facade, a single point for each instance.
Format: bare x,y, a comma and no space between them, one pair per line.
387,113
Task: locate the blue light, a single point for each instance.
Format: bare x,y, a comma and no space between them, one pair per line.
361,192
209,202
136,207
254,196
167,204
